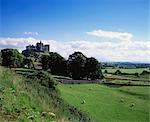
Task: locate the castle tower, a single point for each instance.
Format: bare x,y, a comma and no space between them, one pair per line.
39,46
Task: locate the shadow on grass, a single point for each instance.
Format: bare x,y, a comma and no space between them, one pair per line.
140,96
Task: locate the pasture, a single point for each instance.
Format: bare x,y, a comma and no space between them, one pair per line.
103,103
26,99
132,70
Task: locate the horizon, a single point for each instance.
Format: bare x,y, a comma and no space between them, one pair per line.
109,30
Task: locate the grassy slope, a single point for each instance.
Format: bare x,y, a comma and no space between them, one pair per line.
25,101
109,104
136,70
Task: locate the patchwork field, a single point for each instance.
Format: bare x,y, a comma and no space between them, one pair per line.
104,104
135,70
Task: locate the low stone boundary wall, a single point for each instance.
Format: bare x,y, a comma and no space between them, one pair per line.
79,81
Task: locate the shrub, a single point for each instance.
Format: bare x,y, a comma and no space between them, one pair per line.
145,73
105,71
44,78
118,72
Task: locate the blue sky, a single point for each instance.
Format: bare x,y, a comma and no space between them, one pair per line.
76,20
66,20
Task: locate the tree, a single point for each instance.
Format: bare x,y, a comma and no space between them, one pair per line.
0,58
93,69
118,72
11,58
45,62
106,71
29,62
55,62
137,74
76,65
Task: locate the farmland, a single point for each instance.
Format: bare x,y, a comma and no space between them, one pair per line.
99,102
107,103
124,102
134,70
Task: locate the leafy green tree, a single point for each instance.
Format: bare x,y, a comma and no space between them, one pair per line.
93,69
45,62
118,72
76,65
106,71
11,58
29,62
137,74
55,62
0,58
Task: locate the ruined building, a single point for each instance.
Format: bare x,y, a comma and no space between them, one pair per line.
39,47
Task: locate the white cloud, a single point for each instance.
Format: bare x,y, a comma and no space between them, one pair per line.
110,34
31,33
103,51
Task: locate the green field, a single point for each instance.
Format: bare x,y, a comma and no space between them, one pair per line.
108,104
25,101
135,70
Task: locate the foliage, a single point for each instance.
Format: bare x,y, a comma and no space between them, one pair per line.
93,69
118,72
137,74
25,99
29,62
76,65
0,58
11,58
55,63
105,71
145,72
45,62
45,79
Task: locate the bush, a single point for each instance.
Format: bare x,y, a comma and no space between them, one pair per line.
105,71
118,72
136,74
145,73
44,78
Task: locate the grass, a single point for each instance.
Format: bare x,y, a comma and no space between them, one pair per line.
23,99
123,104
130,82
134,70
130,74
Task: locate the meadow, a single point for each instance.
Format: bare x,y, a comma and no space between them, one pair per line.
131,70
105,104
25,99
22,100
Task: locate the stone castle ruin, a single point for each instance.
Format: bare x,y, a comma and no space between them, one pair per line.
39,47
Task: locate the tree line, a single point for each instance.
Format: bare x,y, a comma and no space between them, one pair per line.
77,66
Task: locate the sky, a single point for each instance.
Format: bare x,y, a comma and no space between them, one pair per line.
109,30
